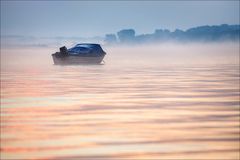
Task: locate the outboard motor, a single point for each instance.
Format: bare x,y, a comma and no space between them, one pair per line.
63,51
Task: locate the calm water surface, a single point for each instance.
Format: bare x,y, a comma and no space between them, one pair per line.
120,110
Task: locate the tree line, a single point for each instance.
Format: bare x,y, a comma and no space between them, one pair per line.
202,33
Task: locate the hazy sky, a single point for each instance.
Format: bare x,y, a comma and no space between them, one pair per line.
91,18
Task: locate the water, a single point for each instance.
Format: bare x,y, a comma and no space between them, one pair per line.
132,107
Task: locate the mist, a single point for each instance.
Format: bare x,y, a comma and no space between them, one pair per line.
176,53
165,85
162,54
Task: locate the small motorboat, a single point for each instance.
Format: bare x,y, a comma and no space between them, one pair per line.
84,53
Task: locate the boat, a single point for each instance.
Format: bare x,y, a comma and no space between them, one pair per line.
83,53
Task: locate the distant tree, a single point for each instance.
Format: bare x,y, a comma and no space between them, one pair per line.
126,35
214,33
178,35
160,34
144,38
201,33
110,38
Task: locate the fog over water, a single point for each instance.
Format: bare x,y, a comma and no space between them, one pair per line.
152,54
162,101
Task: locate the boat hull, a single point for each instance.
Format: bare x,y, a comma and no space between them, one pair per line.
74,60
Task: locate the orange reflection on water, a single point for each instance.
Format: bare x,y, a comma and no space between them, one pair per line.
109,111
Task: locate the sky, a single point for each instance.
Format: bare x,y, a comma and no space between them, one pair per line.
92,18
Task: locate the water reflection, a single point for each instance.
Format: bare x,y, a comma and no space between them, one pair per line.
112,112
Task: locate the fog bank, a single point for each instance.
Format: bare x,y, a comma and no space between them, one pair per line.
176,53
128,56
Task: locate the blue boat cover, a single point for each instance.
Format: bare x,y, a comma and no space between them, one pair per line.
86,48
